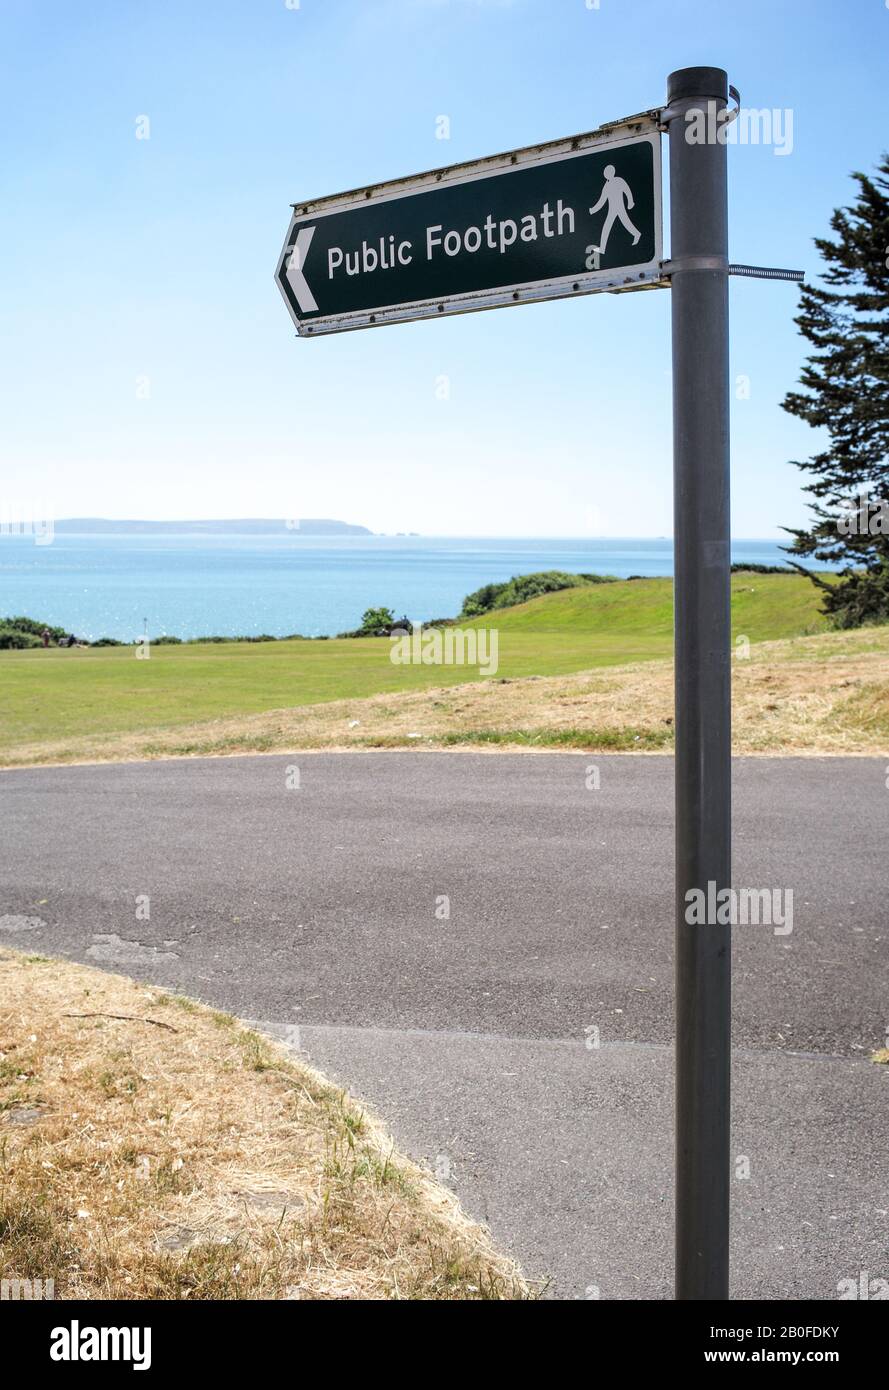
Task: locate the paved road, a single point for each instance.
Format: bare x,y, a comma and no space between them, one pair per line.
443,932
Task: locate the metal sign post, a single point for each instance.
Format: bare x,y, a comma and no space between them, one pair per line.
566,218
573,217
701,595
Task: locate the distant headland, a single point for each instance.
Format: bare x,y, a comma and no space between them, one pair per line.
240,526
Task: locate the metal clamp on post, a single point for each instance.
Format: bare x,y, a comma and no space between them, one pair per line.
696,263
669,113
750,272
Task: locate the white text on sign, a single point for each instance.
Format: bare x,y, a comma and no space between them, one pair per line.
495,236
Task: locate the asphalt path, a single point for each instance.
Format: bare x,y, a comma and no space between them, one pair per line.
480,946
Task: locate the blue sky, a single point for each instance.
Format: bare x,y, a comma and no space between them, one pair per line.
148,366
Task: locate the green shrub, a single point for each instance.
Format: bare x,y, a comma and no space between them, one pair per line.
762,569
523,587
861,597
376,622
11,639
33,627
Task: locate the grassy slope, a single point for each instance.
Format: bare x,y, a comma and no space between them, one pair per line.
53,694
764,608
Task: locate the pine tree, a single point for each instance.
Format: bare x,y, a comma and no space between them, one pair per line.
846,392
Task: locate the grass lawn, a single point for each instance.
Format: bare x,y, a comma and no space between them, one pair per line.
49,696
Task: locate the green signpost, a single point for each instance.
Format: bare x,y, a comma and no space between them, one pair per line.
575,217
571,217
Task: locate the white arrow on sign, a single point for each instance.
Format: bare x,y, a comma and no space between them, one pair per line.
295,262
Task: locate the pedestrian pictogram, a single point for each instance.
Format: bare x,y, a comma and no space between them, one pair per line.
616,193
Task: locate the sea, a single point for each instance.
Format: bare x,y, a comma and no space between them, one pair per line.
200,585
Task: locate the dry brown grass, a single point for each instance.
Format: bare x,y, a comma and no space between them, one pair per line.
190,1158
827,694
